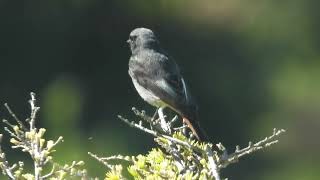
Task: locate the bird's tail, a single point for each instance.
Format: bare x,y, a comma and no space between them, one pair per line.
196,129
190,117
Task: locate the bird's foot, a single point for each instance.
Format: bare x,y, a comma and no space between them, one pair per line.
164,125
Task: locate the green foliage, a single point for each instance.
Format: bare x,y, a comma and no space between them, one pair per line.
156,164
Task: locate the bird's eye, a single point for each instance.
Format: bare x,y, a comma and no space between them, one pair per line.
132,38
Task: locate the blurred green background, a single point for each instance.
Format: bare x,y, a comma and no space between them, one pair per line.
251,65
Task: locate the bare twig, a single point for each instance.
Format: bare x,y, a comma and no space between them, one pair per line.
100,160
15,117
266,142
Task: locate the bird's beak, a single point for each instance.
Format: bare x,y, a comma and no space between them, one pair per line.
128,41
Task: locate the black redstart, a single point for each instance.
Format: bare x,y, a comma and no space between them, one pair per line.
157,79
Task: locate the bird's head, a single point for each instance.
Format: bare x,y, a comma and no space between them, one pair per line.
141,38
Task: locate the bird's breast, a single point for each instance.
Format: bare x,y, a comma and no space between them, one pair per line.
147,95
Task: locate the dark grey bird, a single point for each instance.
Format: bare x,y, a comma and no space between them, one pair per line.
158,80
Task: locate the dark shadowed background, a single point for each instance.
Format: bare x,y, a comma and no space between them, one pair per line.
252,66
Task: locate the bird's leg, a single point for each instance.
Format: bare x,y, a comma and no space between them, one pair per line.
161,115
155,115
164,124
152,122
184,130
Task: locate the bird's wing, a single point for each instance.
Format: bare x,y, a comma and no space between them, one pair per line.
160,74
174,85
164,81
172,81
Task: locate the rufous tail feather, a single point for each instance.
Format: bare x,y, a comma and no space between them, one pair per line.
196,130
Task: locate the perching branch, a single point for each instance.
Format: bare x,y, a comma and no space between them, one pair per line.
186,157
